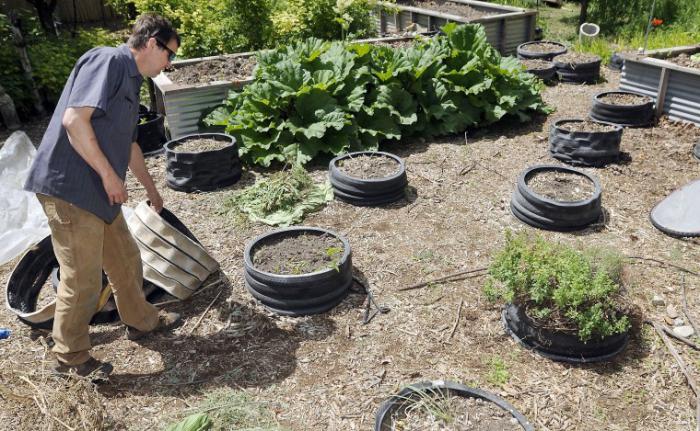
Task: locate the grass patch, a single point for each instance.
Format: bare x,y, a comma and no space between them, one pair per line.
498,374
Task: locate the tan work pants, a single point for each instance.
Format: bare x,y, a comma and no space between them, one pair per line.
85,245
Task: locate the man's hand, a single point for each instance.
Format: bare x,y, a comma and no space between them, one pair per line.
156,200
115,189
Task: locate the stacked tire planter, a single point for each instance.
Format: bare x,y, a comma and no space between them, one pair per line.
525,54
151,133
556,344
302,294
639,115
544,213
418,391
29,277
587,72
371,191
547,74
202,171
595,148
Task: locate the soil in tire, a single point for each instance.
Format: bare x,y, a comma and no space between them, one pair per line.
561,186
541,48
458,414
367,167
200,145
300,254
576,58
536,64
624,99
586,126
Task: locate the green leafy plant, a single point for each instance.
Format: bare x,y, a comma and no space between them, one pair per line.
195,422
557,283
317,97
498,372
283,198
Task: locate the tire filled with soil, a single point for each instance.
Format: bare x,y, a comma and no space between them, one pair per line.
559,344
625,108
578,67
298,271
556,198
585,143
202,162
542,69
472,408
542,50
151,133
368,178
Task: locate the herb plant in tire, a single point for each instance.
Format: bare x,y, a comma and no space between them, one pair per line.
584,142
566,304
202,162
624,108
576,67
556,198
368,178
299,270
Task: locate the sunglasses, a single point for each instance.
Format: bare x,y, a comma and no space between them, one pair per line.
171,53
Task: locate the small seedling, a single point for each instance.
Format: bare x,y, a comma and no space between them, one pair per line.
498,374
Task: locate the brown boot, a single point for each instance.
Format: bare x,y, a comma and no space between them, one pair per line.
93,368
166,320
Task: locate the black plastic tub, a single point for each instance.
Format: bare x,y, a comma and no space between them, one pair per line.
584,148
151,133
302,294
559,345
202,171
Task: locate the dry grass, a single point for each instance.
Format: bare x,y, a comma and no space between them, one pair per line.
330,372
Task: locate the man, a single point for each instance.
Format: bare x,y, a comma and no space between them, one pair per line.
78,175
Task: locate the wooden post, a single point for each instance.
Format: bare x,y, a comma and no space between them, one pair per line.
661,92
21,47
8,111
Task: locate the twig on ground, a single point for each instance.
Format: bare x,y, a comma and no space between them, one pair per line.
679,360
174,301
444,278
468,169
661,262
459,312
205,312
670,333
685,306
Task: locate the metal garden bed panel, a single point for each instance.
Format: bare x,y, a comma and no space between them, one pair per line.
184,104
676,89
507,28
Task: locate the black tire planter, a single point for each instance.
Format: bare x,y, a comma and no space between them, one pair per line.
371,191
580,73
546,75
584,148
616,62
544,213
202,171
382,420
151,133
303,294
524,54
559,345
28,279
624,115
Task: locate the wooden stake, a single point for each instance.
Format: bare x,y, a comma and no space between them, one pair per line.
444,278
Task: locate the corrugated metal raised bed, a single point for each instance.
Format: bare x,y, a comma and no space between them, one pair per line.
506,27
184,104
675,88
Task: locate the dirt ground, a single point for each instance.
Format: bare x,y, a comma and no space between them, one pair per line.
331,372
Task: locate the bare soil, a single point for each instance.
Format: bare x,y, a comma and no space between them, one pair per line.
365,167
200,145
465,414
542,47
331,372
223,69
684,60
447,6
561,186
624,99
299,254
536,64
586,126
576,58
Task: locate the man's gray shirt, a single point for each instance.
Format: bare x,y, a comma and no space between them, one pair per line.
106,79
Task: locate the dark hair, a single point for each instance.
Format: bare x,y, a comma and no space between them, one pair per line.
150,25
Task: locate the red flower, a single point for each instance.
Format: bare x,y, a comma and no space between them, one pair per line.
657,22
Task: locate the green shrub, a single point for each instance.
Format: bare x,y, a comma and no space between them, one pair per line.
329,97
630,17
555,282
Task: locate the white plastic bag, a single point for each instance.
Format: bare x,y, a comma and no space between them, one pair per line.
22,220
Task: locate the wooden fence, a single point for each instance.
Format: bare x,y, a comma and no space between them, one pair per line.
86,10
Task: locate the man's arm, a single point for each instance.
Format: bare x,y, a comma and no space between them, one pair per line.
82,137
137,165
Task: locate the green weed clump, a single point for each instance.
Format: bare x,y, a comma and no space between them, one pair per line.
557,283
